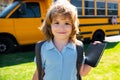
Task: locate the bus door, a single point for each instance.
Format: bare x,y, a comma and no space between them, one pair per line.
27,20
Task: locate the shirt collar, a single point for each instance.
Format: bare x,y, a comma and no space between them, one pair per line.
51,45
70,45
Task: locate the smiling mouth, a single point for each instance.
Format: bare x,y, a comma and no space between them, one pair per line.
61,32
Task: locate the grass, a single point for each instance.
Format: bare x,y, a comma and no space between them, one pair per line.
20,66
109,66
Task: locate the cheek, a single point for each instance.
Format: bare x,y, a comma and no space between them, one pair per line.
70,30
53,29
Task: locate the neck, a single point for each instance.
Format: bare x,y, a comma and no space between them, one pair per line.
60,44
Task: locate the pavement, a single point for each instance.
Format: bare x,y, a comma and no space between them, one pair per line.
113,38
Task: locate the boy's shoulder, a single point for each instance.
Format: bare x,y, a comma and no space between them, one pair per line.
47,44
79,43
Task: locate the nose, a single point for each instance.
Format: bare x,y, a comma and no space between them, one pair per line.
61,26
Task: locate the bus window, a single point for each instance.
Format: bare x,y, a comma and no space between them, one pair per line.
100,8
112,8
27,10
89,7
78,4
8,9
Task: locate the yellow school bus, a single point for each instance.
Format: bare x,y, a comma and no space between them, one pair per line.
20,20
98,18
19,23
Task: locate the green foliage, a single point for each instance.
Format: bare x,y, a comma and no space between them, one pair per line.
20,66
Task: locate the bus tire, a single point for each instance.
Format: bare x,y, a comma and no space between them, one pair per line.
7,45
98,36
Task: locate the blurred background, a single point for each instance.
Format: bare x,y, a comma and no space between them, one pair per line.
4,3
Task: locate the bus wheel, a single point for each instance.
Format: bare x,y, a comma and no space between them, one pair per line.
6,45
98,36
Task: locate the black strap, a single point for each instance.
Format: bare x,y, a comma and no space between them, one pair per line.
79,60
38,58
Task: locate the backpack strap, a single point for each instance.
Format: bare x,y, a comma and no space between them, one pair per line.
38,58
79,59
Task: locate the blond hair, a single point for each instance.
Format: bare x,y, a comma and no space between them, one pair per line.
65,9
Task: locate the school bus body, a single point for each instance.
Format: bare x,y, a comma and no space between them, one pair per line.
95,17
16,30
90,26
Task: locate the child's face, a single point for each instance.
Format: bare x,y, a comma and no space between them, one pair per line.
61,28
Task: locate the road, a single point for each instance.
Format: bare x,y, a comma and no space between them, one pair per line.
113,39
